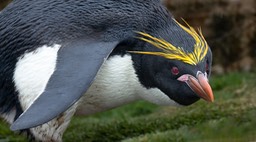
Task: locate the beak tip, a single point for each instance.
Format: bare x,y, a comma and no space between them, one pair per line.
209,99
201,87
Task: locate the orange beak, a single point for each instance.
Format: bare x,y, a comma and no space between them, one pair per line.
199,85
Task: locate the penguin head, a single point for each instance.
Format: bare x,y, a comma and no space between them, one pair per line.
178,66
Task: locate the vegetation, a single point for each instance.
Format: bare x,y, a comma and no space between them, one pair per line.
230,118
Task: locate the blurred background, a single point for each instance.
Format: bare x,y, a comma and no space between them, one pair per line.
229,27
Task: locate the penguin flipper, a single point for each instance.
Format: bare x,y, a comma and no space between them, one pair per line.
77,65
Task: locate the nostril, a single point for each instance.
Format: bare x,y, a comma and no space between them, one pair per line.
198,73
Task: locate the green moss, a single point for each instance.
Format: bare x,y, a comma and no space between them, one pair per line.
230,118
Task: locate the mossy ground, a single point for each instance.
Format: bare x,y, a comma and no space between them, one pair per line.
232,117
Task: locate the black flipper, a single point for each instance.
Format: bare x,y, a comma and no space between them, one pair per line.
77,65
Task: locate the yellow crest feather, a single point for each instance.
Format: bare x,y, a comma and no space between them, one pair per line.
169,51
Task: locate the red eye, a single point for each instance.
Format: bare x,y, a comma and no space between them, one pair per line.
175,71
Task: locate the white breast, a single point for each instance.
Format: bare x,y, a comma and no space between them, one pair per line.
32,72
115,85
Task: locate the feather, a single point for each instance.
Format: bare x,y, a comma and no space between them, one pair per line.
169,51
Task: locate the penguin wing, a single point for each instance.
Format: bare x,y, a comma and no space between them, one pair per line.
77,65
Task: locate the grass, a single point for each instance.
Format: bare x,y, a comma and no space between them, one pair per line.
232,117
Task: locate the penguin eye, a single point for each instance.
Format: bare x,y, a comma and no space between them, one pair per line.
175,71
